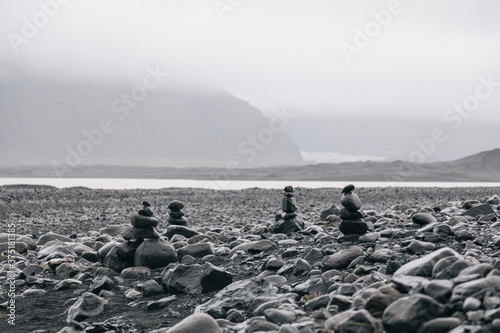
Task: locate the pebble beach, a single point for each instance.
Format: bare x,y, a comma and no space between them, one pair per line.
427,261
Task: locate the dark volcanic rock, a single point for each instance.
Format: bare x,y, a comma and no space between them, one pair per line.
161,303
155,253
475,287
199,322
196,279
423,218
334,210
113,261
198,250
288,226
484,209
354,321
408,313
140,233
348,188
126,250
449,267
237,294
88,305
50,236
262,246
144,221
342,258
381,299
440,325
346,214
176,205
424,266
180,230
101,282
349,227
351,201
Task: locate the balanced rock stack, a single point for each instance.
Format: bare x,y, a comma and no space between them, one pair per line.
142,247
288,222
352,218
176,213
143,224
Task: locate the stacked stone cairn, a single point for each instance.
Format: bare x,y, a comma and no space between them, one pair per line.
176,213
288,222
143,224
142,245
353,222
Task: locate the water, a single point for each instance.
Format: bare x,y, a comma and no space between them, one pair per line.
127,183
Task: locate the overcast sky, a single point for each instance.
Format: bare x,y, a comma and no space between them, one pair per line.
274,52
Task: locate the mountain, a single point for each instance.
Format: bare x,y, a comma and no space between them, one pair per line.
482,167
486,160
79,124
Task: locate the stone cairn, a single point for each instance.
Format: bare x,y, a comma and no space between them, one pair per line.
176,213
143,245
288,222
143,224
353,222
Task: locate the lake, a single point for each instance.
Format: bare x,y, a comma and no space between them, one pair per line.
127,183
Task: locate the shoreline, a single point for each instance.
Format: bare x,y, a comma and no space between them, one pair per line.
131,183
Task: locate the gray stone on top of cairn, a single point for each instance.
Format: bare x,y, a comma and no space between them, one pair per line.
146,209
288,222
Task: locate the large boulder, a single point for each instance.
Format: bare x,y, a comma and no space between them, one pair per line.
353,227
198,322
155,253
424,266
196,279
180,230
484,209
238,295
88,305
198,250
407,314
342,258
476,287
355,321
423,218
55,251
113,261
50,236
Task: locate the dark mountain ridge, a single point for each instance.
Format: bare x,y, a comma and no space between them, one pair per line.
81,124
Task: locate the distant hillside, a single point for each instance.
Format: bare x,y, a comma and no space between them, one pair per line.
45,122
477,168
486,159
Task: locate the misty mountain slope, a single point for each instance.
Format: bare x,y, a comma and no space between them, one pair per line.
45,122
486,159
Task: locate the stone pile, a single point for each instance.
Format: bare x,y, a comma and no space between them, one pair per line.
176,215
353,222
142,246
288,222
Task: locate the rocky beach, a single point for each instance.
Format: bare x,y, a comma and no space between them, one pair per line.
368,260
